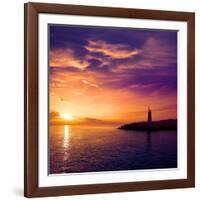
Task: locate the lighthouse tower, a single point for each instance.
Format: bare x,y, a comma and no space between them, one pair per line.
149,116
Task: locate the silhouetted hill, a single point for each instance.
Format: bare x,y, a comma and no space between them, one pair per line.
169,124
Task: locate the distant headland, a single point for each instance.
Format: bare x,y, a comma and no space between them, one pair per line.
149,125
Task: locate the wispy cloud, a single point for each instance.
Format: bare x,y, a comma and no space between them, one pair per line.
112,50
155,54
86,82
66,58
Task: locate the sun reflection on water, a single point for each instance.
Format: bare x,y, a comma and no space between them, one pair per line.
66,135
66,141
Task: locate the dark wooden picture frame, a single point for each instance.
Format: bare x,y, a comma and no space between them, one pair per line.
31,186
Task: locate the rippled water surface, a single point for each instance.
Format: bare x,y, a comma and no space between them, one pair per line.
91,149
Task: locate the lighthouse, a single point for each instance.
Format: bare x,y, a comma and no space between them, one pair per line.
149,116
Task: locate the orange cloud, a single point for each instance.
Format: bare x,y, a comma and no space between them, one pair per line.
90,83
113,50
66,58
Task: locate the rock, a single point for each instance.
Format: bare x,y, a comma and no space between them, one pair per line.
169,124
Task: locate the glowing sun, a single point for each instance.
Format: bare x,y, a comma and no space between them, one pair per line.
67,116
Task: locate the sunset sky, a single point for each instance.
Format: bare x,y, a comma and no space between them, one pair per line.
111,75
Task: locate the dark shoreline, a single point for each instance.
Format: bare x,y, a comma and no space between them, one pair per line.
169,124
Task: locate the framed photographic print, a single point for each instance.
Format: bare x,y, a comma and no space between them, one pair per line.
109,99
